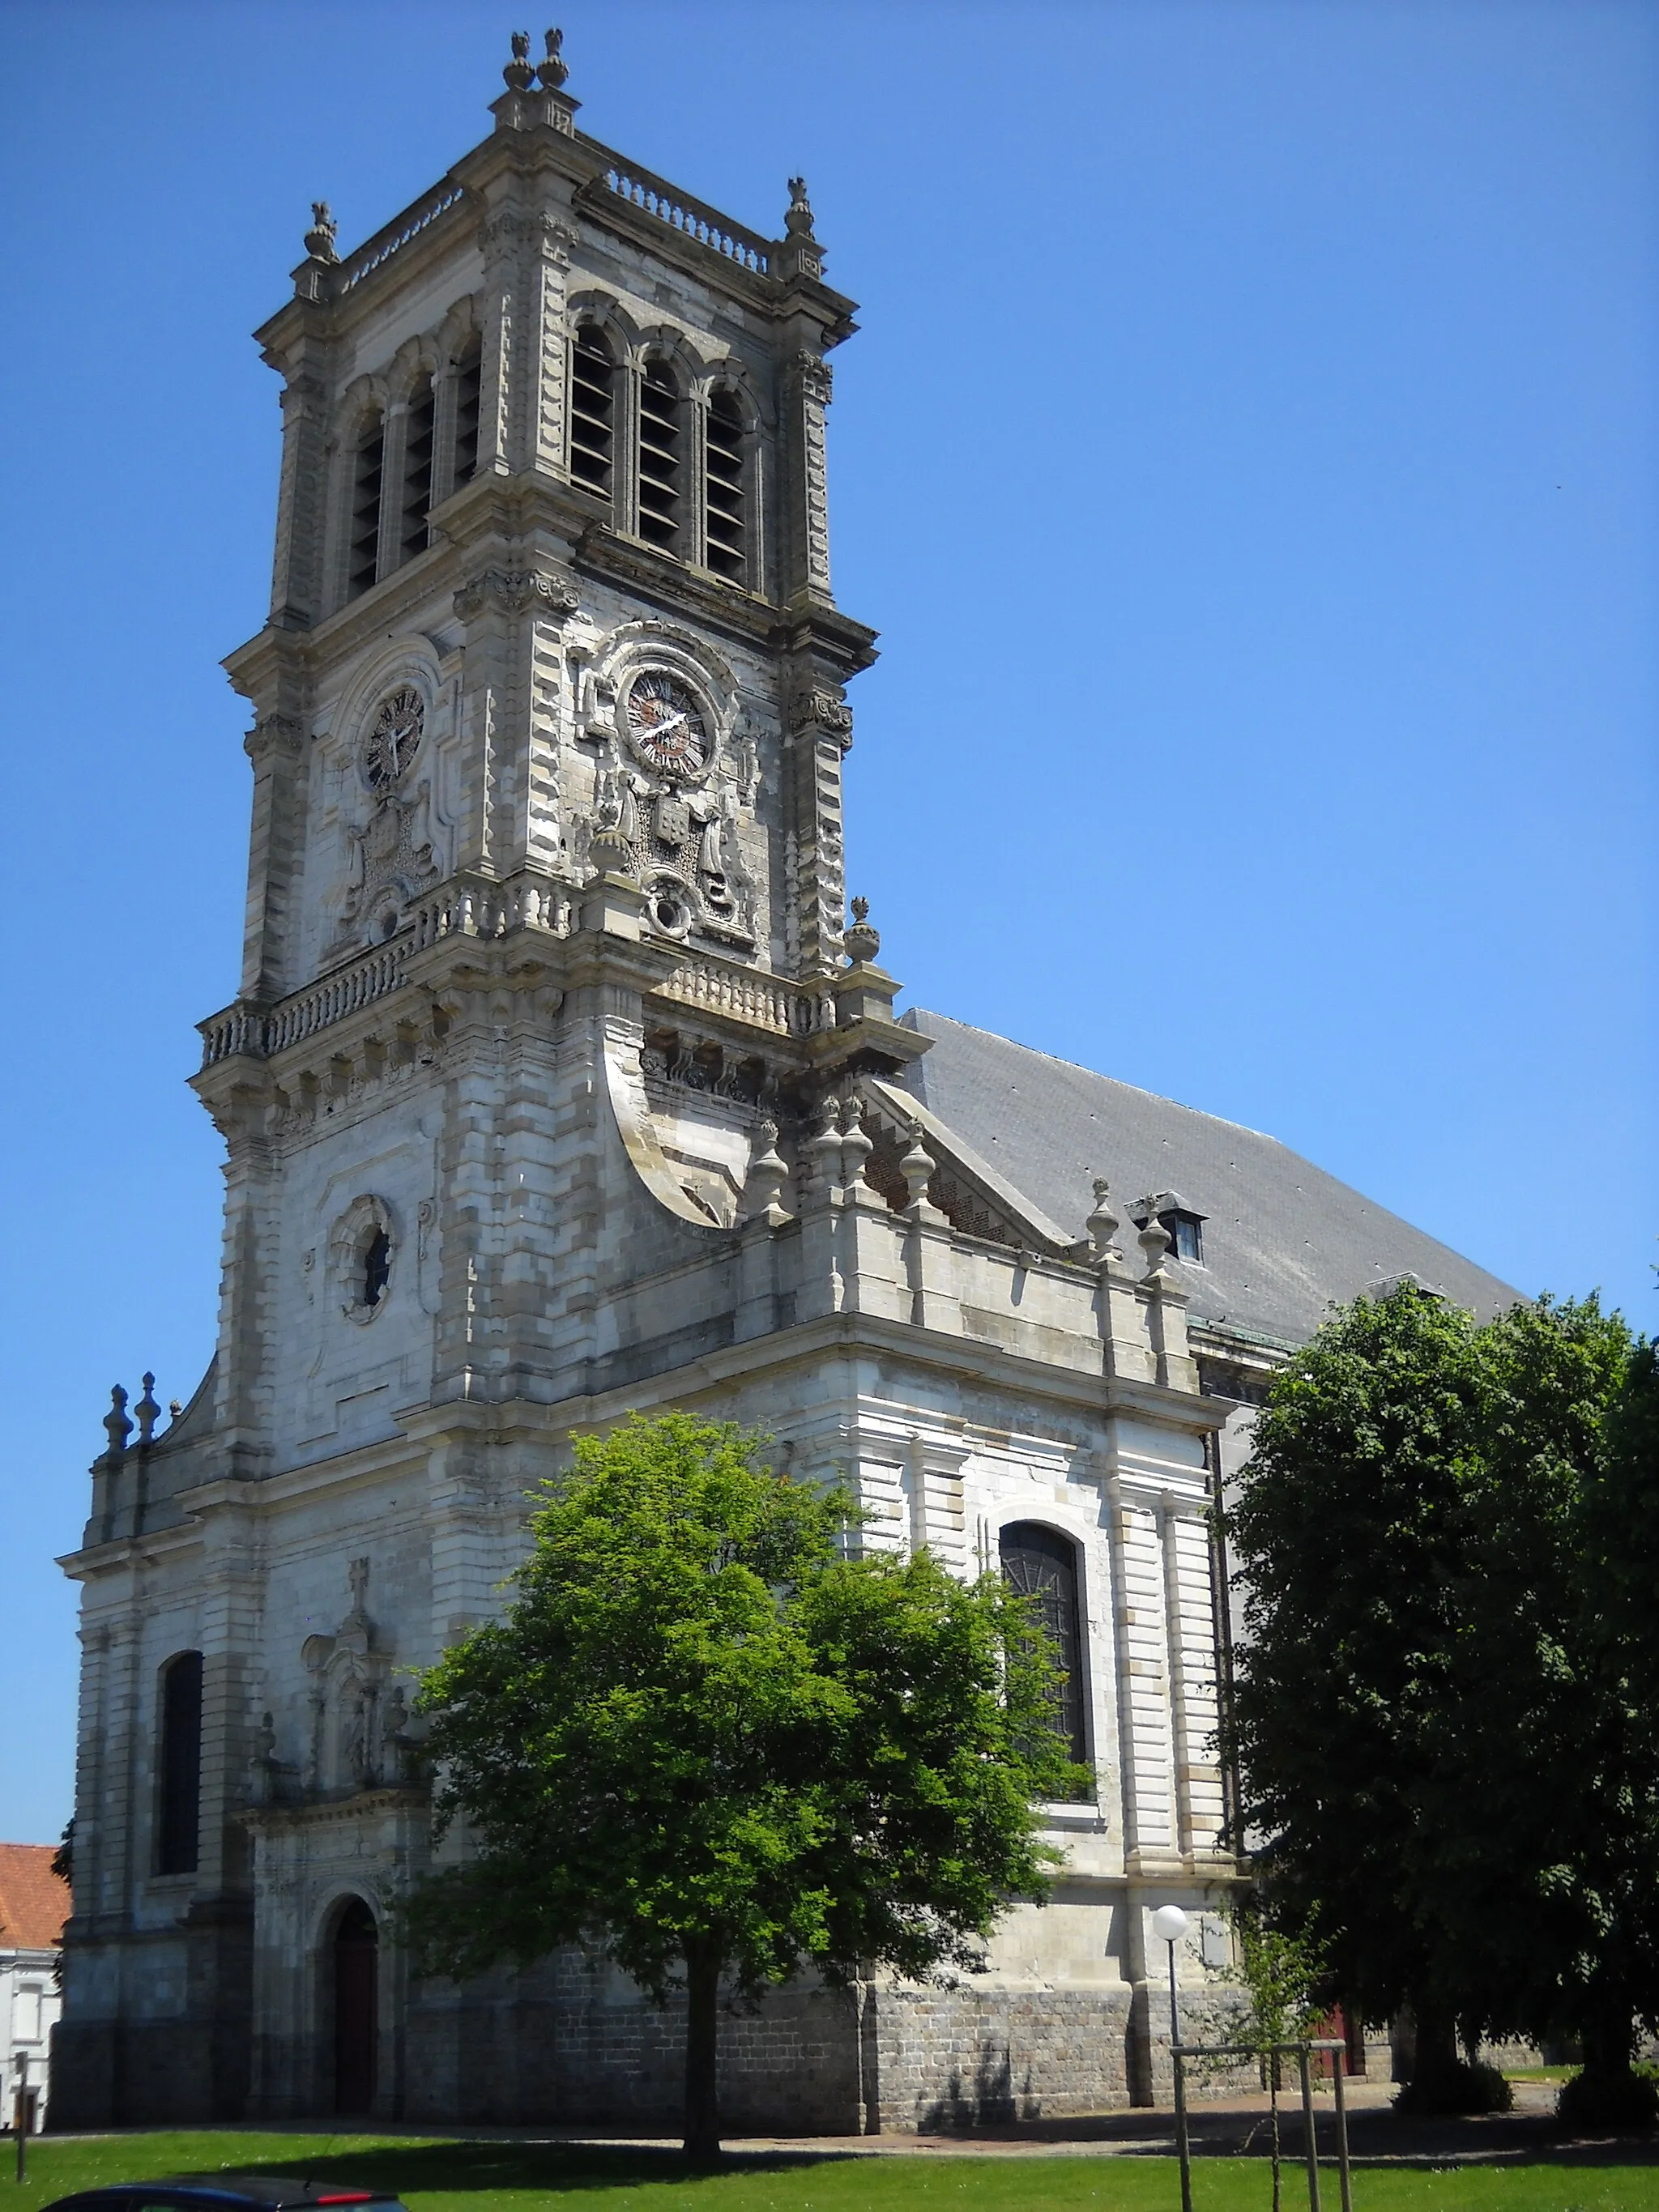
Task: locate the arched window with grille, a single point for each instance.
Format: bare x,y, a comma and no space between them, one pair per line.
593,409
1041,1564
662,438
469,388
419,426
725,523
179,1766
368,466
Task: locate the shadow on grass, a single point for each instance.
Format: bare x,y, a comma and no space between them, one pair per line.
545,2167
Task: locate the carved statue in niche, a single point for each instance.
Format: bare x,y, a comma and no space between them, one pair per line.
347,1670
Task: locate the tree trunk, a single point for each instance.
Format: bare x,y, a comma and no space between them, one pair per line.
702,1994
1435,2060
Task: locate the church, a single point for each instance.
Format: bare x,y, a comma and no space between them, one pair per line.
559,1084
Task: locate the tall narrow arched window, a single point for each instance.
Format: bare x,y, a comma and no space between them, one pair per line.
593,409
1041,1564
418,426
179,1775
727,555
367,464
662,433
469,387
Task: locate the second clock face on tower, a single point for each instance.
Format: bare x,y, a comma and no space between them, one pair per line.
666,726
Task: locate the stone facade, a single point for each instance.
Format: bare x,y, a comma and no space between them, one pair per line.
557,1087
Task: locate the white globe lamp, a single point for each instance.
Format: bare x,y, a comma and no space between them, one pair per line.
1169,1923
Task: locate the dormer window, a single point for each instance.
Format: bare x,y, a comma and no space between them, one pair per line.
1185,1227
1188,1236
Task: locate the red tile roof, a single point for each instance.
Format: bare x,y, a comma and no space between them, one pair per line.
34,1903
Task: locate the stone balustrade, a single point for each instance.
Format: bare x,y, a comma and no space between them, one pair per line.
691,216
374,252
765,1002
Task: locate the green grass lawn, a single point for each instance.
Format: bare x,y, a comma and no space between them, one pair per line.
504,2176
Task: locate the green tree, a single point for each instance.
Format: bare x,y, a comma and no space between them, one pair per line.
1433,1738
705,1743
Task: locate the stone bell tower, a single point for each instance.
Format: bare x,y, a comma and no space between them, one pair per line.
557,1086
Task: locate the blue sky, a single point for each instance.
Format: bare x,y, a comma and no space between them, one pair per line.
1247,459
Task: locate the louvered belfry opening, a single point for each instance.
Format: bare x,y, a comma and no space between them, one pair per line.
469,386
417,469
1039,1563
724,476
593,409
180,1765
365,506
356,2008
662,412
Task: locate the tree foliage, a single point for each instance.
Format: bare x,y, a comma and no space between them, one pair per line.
1435,1729
704,1742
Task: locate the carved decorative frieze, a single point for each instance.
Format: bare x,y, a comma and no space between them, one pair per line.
511,591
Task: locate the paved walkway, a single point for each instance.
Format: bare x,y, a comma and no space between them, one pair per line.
1231,2127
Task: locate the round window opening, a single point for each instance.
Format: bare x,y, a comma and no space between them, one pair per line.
670,914
362,1254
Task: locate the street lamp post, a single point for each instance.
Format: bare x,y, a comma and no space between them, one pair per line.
1170,1925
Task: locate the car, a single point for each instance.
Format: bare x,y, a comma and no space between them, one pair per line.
230,2193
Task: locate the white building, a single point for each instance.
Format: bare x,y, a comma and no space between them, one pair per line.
33,1906
557,1086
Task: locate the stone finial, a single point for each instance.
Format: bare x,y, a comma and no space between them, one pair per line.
824,1146
1155,1241
917,1167
764,1184
520,73
148,1411
553,72
862,943
798,223
117,1427
357,1575
319,239
856,1146
1102,1223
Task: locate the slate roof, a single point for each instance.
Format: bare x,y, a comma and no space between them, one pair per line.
1281,1238
34,1903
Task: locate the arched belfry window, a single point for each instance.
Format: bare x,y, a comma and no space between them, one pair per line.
1042,1563
469,387
179,1767
593,409
662,436
368,466
419,426
723,516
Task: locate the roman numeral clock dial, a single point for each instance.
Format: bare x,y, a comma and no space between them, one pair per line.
666,726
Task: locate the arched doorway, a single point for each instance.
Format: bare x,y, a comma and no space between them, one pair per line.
356,2006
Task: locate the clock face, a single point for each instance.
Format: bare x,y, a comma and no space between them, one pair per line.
392,743
666,726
